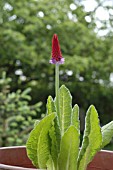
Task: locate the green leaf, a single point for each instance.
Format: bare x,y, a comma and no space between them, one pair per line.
44,145
107,134
57,133
50,164
36,122
65,109
50,105
92,139
32,142
69,149
75,117
54,145
54,132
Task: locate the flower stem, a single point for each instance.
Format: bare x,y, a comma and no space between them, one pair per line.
57,90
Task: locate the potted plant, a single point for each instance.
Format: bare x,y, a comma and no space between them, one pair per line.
54,142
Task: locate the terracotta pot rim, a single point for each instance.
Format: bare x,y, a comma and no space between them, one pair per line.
9,167
12,167
14,147
103,154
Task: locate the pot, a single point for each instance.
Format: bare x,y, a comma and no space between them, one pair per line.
15,158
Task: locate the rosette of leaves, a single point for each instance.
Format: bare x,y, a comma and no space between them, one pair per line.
54,143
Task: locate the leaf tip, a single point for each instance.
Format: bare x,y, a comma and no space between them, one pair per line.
76,106
92,107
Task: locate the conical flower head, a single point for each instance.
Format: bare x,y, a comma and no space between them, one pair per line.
56,52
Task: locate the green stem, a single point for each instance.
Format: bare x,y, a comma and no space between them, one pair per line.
57,90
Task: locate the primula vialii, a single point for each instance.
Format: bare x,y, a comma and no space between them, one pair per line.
54,143
56,52
56,59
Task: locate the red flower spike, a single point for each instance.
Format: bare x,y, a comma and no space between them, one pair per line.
56,52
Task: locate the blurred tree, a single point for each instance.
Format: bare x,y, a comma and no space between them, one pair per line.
16,115
26,29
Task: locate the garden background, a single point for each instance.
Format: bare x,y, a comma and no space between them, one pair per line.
27,78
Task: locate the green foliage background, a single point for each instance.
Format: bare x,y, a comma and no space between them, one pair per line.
26,29
16,115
